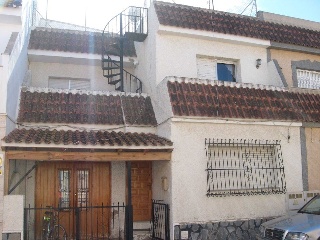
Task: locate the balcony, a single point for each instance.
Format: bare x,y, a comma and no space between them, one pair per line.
10,13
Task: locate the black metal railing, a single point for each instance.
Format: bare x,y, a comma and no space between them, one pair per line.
134,20
131,23
160,220
92,222
244,167
131,83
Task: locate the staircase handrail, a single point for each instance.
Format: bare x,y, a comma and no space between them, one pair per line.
106,33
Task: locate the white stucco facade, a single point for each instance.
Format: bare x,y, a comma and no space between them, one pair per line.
189,181
41,71
173,51
181,182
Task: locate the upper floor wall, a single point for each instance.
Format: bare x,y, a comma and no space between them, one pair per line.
298,69
195,53
70,59
199,43
57,74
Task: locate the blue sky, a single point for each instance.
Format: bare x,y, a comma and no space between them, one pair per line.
305,9
98,12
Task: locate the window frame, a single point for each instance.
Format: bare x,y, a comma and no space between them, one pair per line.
215,61
308,82
69,80
303,65
242,167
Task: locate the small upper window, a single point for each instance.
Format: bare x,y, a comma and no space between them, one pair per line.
215,69
69,83
308,79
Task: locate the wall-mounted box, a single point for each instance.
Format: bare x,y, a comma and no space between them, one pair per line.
295,200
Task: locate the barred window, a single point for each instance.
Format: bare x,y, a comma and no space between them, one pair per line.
244,167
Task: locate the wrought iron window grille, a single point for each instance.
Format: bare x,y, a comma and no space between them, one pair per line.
244,167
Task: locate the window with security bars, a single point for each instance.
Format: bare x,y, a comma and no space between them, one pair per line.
69,83
64,188
308,79
83,188
243,167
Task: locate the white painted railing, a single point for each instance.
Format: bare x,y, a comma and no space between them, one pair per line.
308,79
23,35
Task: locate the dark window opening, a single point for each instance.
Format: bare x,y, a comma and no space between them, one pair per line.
226,72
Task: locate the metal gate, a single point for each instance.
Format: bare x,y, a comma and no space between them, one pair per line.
160,220
91,222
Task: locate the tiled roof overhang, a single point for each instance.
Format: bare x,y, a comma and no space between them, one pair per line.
221,100
76,42
52,106
40,144
214,21
84,139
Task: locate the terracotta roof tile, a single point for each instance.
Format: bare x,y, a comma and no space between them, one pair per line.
224,101
75,41
203,19
67,107
102,138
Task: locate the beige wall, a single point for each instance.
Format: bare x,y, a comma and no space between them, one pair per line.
312,135
2,134
313,155
285,58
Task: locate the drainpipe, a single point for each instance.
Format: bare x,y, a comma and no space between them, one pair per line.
129,211
121,55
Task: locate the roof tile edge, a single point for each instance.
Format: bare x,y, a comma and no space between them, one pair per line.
240,85
79,91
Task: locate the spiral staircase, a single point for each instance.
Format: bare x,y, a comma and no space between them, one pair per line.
122,30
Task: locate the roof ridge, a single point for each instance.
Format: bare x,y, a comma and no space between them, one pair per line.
62,30
242,85
235,15
226,83
79,91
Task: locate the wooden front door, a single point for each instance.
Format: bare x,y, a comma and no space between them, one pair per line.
141,173
76,187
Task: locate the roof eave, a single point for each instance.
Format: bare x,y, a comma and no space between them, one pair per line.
89,147
294,48
212,35
92,59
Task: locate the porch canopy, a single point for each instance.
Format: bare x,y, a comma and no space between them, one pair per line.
54,145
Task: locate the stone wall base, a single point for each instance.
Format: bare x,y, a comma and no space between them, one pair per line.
228,230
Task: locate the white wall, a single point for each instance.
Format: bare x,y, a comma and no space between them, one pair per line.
13,88
177,56
147,55
274,76
172,51
5,33
189,178
40,73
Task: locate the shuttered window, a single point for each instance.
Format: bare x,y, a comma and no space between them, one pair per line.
308,79
207,68
215,69
69,83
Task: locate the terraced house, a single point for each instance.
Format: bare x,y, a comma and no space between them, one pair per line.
203,123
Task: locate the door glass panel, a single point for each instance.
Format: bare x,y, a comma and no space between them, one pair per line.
83,188
64,188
